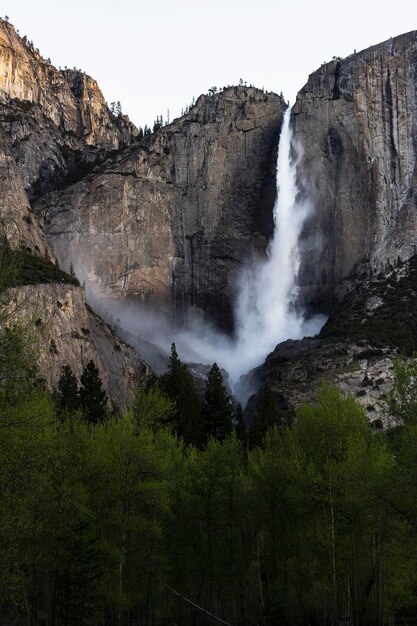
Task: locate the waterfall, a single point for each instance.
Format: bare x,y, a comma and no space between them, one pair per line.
264,312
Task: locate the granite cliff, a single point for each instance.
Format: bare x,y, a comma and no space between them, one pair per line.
356,119
58,121
47,118
171,219
51,305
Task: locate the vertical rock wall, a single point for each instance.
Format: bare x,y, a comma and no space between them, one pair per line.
356,119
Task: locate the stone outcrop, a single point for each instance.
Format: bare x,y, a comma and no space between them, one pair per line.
17,221
67,332
58,121
171,220
356,119
295,370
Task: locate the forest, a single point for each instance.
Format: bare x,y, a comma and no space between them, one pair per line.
172,513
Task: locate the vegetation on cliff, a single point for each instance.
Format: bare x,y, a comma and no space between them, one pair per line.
25,268
382,311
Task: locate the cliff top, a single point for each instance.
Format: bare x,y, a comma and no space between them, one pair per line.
69,97
393,46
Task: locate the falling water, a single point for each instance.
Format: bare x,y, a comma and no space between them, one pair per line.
264,313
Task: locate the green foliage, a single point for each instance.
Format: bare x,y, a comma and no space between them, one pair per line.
17,363
26,268
319,501
265,416
92,397
66,394
179,386
158,123
402,398
89,400
218,411
241,431
151,408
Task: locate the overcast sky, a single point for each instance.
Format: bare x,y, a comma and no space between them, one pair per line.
155,55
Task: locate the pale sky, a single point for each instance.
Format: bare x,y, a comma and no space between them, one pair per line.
156,55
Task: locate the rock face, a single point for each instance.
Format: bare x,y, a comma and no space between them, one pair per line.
295,370
58,121
171,220
17,221
47,118
357,122
68,332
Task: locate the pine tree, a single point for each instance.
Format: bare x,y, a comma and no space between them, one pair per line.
218,410
241,431
93,398
66,394
158,123
266,415
179,385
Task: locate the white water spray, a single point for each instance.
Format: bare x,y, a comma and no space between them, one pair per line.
264,313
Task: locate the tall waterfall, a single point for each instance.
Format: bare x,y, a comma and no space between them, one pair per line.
264,311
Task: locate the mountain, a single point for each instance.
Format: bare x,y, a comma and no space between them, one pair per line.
356,119
172,219
44,125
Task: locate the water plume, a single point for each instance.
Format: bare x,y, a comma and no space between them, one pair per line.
265,311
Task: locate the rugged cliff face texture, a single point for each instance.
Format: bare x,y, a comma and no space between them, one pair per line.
67,332
357,121
171,220
58,121
47,118
295,370
17,221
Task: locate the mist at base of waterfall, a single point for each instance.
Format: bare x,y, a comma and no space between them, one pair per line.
265,311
